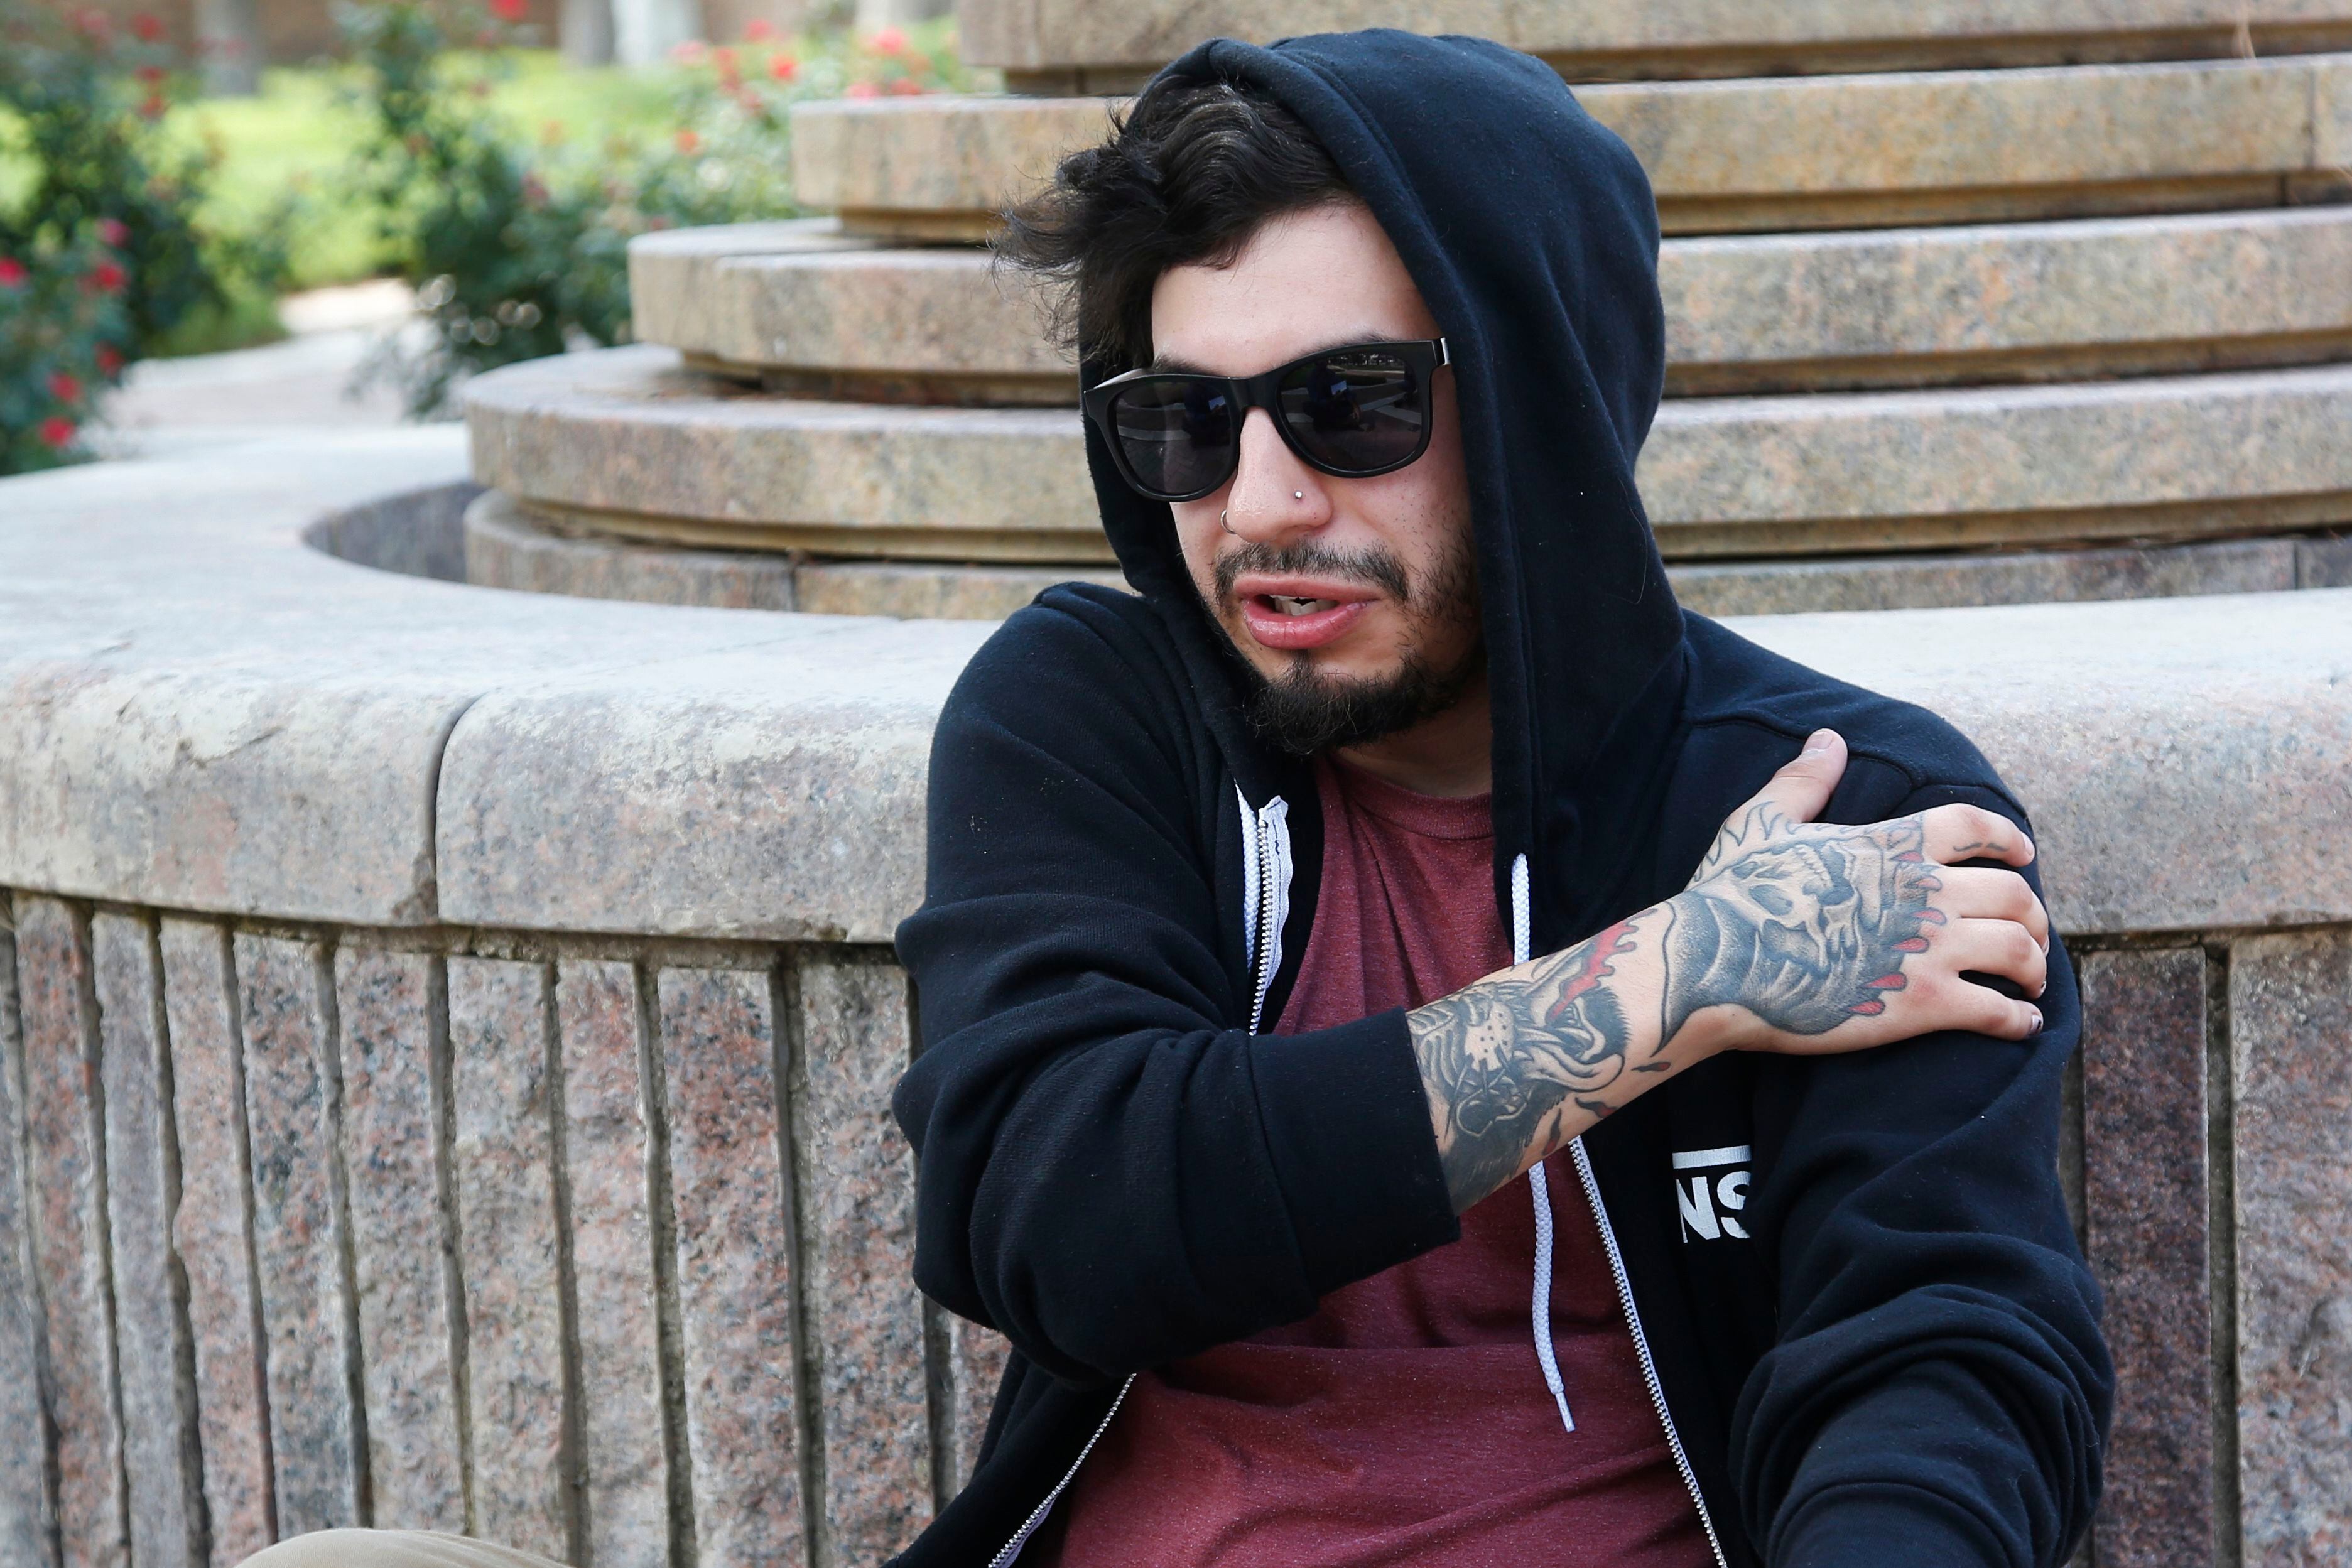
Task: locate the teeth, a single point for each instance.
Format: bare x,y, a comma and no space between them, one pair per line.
1287,605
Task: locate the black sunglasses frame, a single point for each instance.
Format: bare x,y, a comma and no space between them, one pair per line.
1424,356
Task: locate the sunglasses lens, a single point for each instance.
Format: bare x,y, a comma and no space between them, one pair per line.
1178,434
1357,411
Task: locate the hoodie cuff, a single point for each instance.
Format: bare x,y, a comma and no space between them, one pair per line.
1852,1528
1347,1125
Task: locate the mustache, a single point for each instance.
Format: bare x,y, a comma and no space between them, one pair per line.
1377,568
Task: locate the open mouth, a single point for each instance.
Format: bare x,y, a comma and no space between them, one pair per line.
1290,605
1294,622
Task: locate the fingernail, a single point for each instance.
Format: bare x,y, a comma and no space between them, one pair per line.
2037,1020
1818,741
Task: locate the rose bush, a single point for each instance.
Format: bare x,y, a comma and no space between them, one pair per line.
101,257
64,317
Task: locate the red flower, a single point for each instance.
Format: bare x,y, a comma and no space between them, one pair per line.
689,53
906,86
65,388
153,106
783,67
759,30
106,278
888,41
149,28
688,140
57,431
860,89
722,60
152,75
12,272
113,232
108,358
510,10
94,24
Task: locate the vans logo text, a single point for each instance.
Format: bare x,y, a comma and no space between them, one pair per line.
1711,1189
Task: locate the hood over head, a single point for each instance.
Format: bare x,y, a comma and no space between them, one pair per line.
1532,235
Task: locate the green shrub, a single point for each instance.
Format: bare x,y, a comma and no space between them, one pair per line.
520,250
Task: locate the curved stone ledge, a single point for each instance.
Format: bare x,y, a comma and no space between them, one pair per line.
1066,45
197,711
1736,156
622,442
803,309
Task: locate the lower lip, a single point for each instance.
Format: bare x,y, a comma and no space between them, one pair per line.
1291,633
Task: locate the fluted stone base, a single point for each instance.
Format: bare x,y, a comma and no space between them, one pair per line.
1739,156
1071,46
800,307
508,547
627,443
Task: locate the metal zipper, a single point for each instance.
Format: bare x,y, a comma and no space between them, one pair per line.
1641,1347
1263,960
1038,1515
1261,982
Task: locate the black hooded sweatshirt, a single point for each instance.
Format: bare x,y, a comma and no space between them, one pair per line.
1898,1360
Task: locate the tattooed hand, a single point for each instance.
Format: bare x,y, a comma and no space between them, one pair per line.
1814,930
1793,936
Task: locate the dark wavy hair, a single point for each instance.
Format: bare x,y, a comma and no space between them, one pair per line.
1190,172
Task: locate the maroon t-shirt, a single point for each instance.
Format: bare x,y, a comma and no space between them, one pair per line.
1407,1421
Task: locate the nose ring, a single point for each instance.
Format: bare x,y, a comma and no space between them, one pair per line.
1221,521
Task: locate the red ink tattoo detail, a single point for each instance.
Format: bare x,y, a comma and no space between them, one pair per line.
1614,943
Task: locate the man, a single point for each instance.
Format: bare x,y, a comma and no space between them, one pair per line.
1233,1057
1328,1229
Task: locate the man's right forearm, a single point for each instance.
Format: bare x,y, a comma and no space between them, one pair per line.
1523,1060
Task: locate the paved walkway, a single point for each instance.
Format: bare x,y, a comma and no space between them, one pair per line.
210,402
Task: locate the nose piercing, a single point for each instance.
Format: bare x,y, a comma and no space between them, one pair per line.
1298,495
1221,523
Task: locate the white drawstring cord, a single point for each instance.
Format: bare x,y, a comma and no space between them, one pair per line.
1538,1184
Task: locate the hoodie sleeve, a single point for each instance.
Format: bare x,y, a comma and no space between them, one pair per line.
1939,1392
1111,1173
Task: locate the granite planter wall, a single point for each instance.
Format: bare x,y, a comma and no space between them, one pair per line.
447,1035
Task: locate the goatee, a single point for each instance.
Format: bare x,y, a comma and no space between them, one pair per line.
1302,711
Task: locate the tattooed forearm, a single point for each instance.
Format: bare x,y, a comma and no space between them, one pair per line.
1502,1058
1804,932
1789,930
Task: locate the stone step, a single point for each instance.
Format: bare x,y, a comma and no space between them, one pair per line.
1080,46
509,545
803,309
806,310
1739,156
627,442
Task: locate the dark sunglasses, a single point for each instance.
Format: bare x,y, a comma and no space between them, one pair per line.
1352,413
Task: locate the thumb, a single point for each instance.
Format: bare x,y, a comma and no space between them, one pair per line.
1802,787
1795,794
